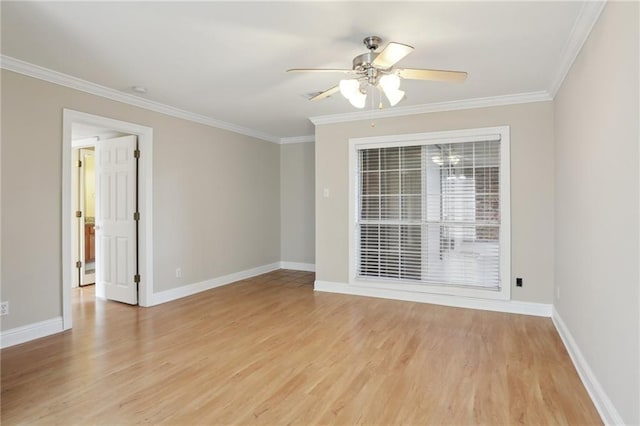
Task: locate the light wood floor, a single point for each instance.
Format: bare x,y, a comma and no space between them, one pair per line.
269,350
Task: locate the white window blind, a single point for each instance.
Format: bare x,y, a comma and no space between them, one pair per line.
430,213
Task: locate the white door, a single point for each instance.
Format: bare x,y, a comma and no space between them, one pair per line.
116,245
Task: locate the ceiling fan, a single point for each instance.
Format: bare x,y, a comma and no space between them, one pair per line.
375,69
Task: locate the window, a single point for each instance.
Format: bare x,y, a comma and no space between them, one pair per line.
429,211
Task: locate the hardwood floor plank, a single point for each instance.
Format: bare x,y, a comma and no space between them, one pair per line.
268,350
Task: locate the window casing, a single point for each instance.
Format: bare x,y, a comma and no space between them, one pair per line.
431,212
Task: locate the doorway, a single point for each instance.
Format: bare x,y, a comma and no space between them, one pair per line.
82,133
88,142
86,215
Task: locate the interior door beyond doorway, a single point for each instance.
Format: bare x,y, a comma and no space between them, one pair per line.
86,219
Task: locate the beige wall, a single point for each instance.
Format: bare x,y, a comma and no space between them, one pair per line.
297,208
216,196
531,187
597,213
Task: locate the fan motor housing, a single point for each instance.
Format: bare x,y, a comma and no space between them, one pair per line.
363,62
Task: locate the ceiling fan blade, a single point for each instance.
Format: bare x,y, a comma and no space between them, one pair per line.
434,75
344,71
391,54
325,94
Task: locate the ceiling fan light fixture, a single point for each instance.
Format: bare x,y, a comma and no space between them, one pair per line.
358,99
394,96
350,89
390,84
390,81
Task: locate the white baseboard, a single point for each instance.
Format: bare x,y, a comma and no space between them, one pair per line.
510,306
190,289
296,266
23,334
605,407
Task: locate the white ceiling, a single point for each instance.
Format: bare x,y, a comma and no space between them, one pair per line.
227,60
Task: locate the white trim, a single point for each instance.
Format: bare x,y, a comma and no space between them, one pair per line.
509,306
603,404
457,291
145,199
505,211
588,16
29,332
298,139
501,133
296,266
75,228
447,136
191,289
36,71
491,101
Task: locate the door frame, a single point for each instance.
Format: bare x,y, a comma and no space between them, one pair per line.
145,201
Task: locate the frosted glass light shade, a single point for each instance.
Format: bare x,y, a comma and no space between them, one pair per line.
350,89
390,84
394,96
358,99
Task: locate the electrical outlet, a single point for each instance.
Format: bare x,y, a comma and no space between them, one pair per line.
4,308
518,282
178,272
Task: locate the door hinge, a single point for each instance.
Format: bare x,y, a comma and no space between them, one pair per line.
136,216
136,153
136,278
79,163
78,213
78,264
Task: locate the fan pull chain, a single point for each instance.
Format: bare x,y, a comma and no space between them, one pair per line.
380,106
373,123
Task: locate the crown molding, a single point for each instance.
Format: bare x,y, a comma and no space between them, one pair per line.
587,18
518,98
298,139
16,65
